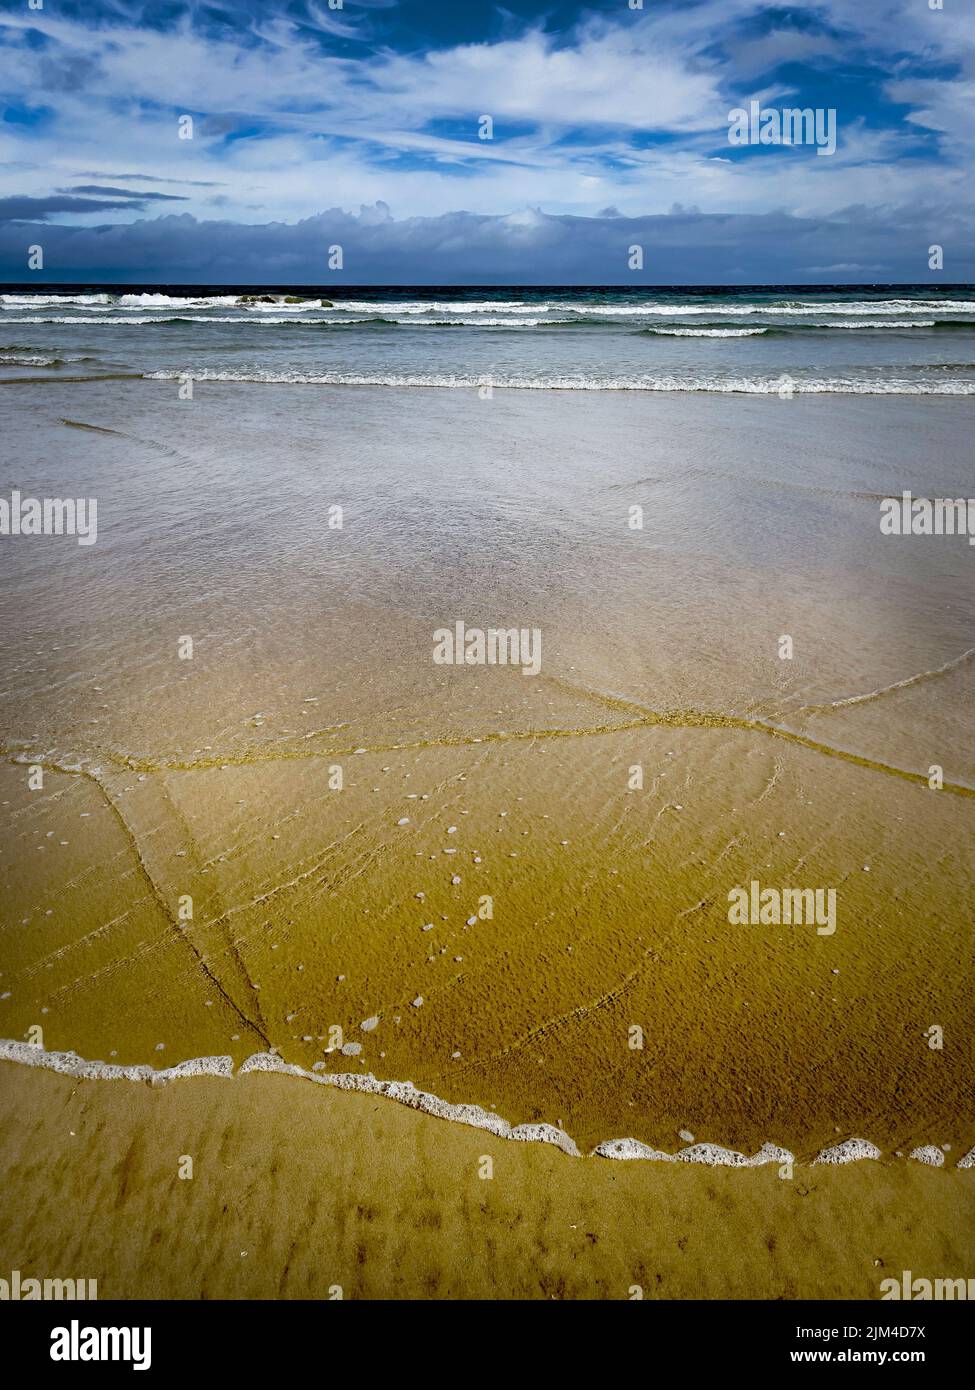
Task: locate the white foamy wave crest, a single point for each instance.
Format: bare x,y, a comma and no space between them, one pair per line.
77,318
707,332
40,301
174,301
117,301
479,323
385,307
270,321
781,309
14,359
878,323
130,321
726,385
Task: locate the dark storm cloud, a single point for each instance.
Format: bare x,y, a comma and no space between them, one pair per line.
859,245
107,191
37,209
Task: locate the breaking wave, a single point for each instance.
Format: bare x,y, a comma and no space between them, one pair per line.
756,386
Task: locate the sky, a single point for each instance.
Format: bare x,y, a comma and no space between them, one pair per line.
359,124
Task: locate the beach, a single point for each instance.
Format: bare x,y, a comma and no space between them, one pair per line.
302,1193
245,811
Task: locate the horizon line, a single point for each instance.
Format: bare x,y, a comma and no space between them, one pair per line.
33,286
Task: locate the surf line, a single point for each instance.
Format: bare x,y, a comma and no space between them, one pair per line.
646,719
904,684
694,719
713,1155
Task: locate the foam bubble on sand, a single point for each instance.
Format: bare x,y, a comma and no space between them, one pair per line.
930,1154
850,1151
710,1154
631,1148
545,1134
715,1156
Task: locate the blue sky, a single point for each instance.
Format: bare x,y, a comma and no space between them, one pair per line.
358,125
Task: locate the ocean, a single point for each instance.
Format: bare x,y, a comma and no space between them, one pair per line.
767,339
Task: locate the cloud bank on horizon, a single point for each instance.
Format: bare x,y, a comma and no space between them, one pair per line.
445,143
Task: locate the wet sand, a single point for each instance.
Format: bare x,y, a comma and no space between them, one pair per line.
608,912
491,904
299,1192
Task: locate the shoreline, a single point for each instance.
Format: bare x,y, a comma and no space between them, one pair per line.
850,1150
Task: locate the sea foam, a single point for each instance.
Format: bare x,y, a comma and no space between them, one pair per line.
713,1155
70,1064
850,1151
750,386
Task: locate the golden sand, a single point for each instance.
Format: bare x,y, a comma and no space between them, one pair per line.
564,911
298,1191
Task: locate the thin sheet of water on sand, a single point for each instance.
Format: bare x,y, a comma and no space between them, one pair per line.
538,903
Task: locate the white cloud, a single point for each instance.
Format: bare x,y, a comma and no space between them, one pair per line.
578,119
